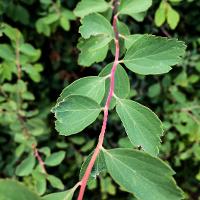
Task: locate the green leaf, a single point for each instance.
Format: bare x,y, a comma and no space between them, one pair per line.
26,166
42,27
131,39
148,178
67,195
122,84
93,50
55,182
95,24
33,71
141,124
51,18
13,190
55,158
40,182
29,50
173,17
86,7
64,23
7,68
154,90
154,55
6,52
75,113
98,167
91,86
18,13
66,15
139,16
132,7
160,15
12,33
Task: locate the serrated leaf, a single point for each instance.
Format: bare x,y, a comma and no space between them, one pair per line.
13,190
131,39
86,7
93,50
55,158
91,86
142,126
55,182
95,24
75,113
122,84
160,15
173,17
154,55
98,167
26,166
142,175
132,7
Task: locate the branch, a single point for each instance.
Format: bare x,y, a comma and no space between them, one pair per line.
41,162
106,107
18,56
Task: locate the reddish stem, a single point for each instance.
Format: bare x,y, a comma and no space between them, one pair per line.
37,155
107,105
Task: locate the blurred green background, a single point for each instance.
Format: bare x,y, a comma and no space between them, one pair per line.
38,58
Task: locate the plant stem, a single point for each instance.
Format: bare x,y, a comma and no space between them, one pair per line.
18,56
106,107
41,162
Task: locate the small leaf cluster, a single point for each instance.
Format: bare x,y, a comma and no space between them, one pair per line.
19,63
53,15
166,12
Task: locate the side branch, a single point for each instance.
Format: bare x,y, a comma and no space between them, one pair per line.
38,157
106,107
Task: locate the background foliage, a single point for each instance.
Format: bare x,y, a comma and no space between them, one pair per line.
38,57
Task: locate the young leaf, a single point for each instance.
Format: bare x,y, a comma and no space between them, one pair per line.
160,15
75,113
26,166
141,124
55,158
98,167
66,15
93,50
91,86
173,17
154,55
148,178
55,182
133,7
122,84
86,7
10,189
95,24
